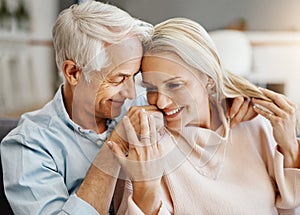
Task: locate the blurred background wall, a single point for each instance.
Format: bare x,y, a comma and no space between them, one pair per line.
28,75
215,14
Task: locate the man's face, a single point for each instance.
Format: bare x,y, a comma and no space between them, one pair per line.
102,98
118,86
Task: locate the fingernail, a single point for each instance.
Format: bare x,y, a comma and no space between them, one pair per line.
109,143
143,110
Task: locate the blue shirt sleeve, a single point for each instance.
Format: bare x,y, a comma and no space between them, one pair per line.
75,206
34,183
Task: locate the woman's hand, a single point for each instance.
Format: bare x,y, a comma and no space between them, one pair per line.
281,113
142,161
133,115
240,109
119,136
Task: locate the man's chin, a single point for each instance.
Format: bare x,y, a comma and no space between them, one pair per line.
115,113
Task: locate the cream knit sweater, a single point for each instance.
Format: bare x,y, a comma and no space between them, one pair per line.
241,174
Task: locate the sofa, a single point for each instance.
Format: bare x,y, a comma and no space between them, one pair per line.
6,125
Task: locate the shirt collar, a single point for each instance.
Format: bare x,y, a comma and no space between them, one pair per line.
63,114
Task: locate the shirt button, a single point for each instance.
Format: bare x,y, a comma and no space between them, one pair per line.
80,131
99,142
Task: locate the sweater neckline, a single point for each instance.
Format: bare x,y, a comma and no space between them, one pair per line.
207,148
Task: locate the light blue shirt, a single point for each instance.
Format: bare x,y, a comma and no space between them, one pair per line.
45,160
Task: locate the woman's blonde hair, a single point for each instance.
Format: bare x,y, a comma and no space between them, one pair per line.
190,41
82,32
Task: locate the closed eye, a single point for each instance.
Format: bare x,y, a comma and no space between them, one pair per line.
118,80
172,86
149,87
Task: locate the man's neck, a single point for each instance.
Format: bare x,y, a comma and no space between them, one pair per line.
81,117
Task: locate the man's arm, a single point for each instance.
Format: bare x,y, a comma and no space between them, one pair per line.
99,184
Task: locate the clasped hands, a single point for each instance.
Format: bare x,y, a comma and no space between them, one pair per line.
139,143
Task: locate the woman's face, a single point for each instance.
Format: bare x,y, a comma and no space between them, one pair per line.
178,91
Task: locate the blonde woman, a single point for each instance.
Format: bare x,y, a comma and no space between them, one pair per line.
199,165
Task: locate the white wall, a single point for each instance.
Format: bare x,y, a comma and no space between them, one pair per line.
213,14
27,66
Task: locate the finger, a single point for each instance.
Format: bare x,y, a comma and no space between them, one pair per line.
269,93
134,110
268,115
153,131
159,119
117,151
250,113
236,105
149,108
145,129
132,138
280,100
239,116
268,107
133,115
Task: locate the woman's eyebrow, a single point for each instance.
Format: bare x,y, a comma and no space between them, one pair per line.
166,81
144,83
171,79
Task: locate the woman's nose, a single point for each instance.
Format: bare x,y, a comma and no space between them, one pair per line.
163,100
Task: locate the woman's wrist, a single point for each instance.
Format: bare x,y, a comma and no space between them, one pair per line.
291,156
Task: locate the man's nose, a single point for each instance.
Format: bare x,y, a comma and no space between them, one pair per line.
128,91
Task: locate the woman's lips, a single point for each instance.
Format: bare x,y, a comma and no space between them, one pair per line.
172,113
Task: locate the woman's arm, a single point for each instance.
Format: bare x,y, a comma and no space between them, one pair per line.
281,113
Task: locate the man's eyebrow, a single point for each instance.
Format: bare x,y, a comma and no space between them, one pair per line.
121,74
124,73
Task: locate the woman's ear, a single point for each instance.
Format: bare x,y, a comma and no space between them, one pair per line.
210,83
71,72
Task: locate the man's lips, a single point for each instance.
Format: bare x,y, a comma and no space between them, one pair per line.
117,102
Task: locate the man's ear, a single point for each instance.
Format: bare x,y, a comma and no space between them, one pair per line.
71,72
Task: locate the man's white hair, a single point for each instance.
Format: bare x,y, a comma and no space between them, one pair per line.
82,32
